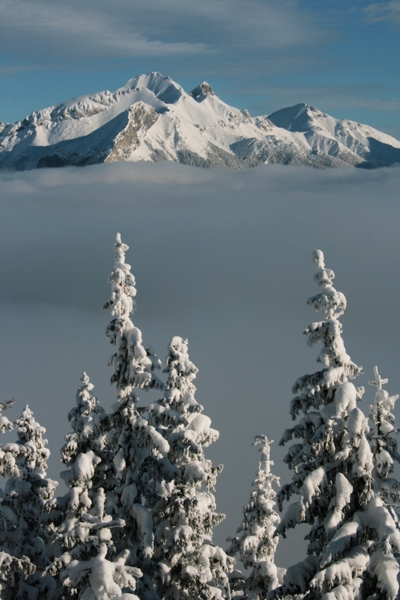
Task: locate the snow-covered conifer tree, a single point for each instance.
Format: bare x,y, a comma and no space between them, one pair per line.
132,362
86,561
139,448
11,567
384,445
185,515
26,493
81,454
97,577
352,536
87,456
8,452
5,424
255,541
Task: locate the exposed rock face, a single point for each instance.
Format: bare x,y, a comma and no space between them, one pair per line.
201,91
153,119
141,117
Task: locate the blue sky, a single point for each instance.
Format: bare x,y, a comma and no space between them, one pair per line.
341,56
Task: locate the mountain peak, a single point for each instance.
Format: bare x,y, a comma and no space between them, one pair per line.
164,88
152,118
295,118
202,91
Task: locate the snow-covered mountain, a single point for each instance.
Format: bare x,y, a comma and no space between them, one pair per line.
152,118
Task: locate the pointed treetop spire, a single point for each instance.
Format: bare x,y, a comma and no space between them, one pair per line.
265,450
318,257
383,445
262,439
378,381
120,247
133,363
122,284
324,277
255,540
331,303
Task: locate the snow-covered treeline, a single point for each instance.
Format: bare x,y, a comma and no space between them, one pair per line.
138,517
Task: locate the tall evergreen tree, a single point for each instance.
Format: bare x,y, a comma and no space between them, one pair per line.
87,456
11,567
351,533
81,454
26,493
384,445
138,447
255,541
132,362
185,515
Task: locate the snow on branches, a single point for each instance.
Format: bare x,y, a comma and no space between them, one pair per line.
137,520
133,364
319,388
384,445
83,452
23,537
255,541
185,513
96,577
352,538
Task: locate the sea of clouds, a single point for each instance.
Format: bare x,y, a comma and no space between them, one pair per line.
221,258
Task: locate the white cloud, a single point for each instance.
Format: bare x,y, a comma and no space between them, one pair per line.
54,31
383,12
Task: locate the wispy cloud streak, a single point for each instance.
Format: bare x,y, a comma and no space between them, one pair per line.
153,28
383,12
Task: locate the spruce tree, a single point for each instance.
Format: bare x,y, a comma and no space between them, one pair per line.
86,561
11,567
138,447
255,542
5,424
97,577
384,445
185,515
352,535
323,397
87,456
133,363
81,453
8,452
27,492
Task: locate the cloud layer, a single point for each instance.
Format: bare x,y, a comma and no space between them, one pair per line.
220,258
125,29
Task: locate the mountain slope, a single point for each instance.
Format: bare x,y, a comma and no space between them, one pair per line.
152,118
